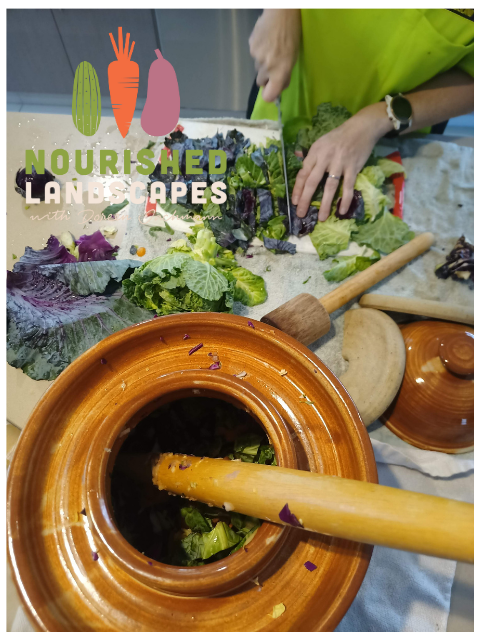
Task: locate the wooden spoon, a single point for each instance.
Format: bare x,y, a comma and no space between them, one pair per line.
346,508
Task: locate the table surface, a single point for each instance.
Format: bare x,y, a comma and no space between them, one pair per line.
31,225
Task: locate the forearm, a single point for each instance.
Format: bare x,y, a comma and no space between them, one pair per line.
446,96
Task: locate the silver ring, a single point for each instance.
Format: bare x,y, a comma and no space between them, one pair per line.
335,177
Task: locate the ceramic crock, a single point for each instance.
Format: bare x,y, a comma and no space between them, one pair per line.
73,569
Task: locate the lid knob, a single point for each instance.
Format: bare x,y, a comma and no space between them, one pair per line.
457,353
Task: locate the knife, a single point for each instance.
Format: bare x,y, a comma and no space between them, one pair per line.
278,104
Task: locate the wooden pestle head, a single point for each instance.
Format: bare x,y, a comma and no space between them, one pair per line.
303,318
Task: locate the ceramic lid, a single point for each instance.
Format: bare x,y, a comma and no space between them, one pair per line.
434,408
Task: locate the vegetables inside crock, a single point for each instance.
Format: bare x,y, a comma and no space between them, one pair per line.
168,528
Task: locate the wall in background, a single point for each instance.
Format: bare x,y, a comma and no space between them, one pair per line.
207,47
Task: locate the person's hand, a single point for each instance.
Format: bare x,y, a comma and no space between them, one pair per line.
341,153
274,46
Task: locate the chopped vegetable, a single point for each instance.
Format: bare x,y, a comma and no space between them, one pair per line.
344,266
386,234
250,324
195,348
310,566
215,366
287,517
176,530
14,257
278,610
112,209
95,556
186,336
141,251
55,312
37,180
459,263
307,280
103,361
332,236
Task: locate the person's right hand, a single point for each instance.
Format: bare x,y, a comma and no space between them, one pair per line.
274,46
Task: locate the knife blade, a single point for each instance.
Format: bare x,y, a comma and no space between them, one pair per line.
278,104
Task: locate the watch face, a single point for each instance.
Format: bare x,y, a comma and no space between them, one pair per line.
402,109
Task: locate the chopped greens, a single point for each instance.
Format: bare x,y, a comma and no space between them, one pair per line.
172,529
256,204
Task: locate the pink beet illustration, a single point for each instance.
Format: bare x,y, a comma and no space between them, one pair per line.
161,111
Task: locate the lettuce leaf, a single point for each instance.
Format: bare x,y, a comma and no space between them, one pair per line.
386,234
374,175
205,280
373,199
332,236
249,289
195,520
276,174
202,546
389,167
344,266
250,173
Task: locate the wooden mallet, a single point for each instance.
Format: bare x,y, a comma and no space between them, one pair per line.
307,318
346,508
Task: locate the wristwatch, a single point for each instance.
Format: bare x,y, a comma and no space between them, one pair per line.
399,111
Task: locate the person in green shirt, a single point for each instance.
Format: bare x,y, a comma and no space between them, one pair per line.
361,59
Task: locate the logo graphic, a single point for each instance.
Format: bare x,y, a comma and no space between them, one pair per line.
161,111
123,83
86,102
163,104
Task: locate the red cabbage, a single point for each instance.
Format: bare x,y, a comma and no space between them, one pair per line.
287,517
186,336
55,253
250,324
94,248
356,210
95,556
183,466
279,246
195,348
310,566
215,366
265,205
301,226
103,361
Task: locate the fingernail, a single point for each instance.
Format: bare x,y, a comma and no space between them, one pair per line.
294,199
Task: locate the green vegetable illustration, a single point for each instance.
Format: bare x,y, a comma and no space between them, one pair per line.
86,100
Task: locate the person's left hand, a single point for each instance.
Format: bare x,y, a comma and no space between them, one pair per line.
341,153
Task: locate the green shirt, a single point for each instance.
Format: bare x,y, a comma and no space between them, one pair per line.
354,57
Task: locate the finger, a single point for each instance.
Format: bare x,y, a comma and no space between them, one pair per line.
262,77
347,197
308,165
329,191
273,88
310,187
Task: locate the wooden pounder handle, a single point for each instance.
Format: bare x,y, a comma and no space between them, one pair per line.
307,319
427,308
376,272
346,508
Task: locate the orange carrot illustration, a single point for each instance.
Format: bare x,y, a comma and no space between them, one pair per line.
123,83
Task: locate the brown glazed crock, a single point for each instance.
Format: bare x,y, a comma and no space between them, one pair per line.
75,572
